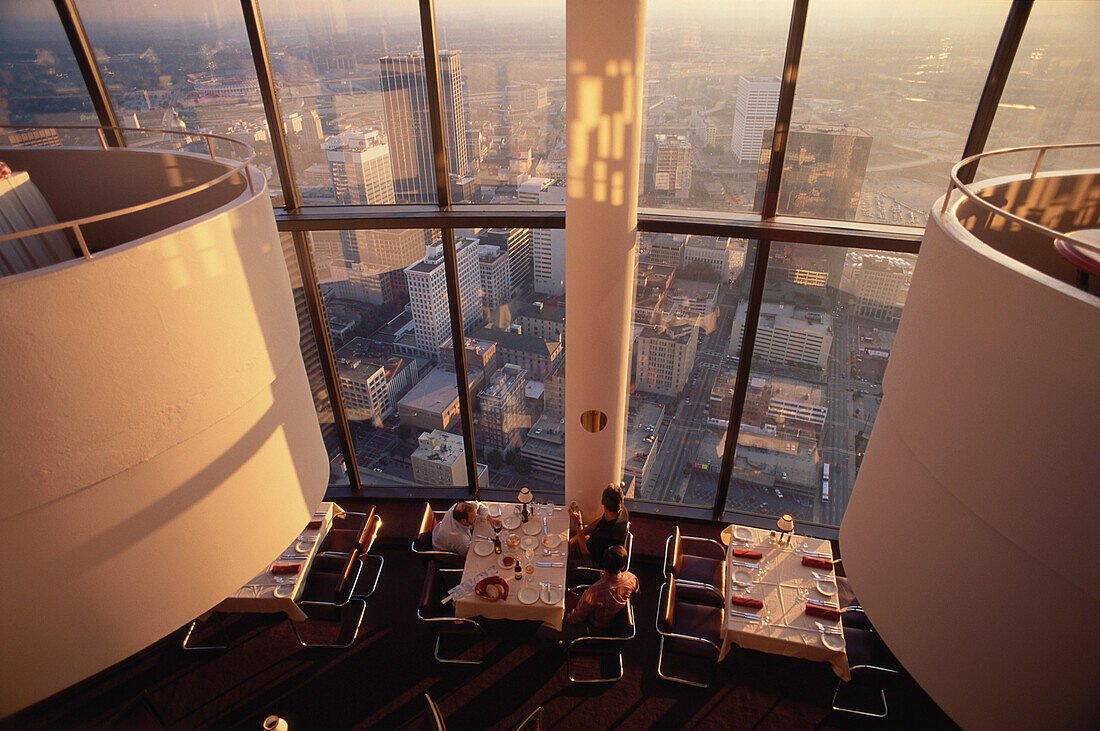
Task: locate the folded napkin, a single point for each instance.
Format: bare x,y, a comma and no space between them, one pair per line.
313,525
286,568
745,553
817,563
745,602
823,612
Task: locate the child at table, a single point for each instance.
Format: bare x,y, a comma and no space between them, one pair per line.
602,602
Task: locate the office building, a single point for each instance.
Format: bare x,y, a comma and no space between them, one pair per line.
405,95
754,116
439,461
879,283
503,409
664,357
495,279
672,166
786,335
547,245
517,243
427,284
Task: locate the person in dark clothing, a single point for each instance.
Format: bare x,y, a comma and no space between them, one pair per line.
587,547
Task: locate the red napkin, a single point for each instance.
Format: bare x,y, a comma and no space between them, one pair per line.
817,563
824,612
744,602
286,568
313,525
745,553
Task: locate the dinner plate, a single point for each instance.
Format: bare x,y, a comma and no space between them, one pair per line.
827,588
511,522
303,547
743,576
532,528
832,641
529,542
482,548
506,562
284,590
552,541
528,595
552,596
742,533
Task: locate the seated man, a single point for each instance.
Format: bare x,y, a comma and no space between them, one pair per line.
602,602
587,547
454,531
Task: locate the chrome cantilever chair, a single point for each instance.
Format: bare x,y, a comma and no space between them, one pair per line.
328,593
437,581
348,533
621,631
529,723
871,664
422,542
688,628
699,579
592,575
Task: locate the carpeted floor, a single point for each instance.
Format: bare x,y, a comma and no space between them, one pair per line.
380,681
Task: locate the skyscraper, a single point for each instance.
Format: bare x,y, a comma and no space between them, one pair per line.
517,242
672,165
405,98
427,284
547,245
754,114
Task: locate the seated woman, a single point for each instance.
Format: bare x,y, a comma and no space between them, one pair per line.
587,547
601,603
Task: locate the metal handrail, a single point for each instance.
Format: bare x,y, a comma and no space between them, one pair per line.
967,191
240,166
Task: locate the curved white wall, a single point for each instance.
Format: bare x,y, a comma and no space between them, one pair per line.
160,441
972,534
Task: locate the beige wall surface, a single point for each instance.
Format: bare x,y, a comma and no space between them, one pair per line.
971,535
160,441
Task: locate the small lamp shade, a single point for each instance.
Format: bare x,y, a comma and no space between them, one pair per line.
785,523
525,495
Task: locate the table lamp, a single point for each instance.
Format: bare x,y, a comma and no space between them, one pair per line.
525,497
785,524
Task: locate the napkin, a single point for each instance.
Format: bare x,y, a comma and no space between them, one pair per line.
745,602
313,525
286,568
745,553
817,563
823,612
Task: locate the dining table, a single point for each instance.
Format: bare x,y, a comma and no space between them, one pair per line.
786,587
271,592
540,546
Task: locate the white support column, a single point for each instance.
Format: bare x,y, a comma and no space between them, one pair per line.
605,49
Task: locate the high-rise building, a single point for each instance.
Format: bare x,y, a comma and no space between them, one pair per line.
503,409
439,460
672,165
493,265
879,283
547,245
405,98
754,115
665,356
786,335
427,285
517,242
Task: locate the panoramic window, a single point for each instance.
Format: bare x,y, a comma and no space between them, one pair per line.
885,98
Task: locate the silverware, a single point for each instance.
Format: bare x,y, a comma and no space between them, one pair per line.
829,630
549,564
815,554
823,577
744,564
746,615
826,605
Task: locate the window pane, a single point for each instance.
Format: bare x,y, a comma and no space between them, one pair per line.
711,93
354,100
40,83
513,86
675,433
826,328
181,67
885,98
312,360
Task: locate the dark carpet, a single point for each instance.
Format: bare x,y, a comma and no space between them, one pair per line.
380,681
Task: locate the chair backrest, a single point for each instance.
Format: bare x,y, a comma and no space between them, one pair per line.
666,612
434,712
622,623
423,540
675,558
430,592
532,722
369,533
346,583
629,545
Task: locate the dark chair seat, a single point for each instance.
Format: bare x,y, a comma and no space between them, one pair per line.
698,620
440,617
328,589
702,571
872,665
700,578
352,521
700,595
690,629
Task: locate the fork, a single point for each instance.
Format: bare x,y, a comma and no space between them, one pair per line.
830,630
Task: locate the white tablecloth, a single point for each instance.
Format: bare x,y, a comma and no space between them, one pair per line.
512,608
258,595
789,630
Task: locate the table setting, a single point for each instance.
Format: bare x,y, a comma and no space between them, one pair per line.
781,595
527,556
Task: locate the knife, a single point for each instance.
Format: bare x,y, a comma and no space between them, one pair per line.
826,605
548,565
744,564
746,615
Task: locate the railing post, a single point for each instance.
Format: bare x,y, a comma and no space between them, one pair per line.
1038,162
80,240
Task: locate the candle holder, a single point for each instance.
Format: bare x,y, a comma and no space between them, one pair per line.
525,497
785,524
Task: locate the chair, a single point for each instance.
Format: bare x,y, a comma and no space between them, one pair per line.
349,532
590,574
437,716
688,628
612,640
441,616
700,580
195,629
422,543
529,723
329,589
871,661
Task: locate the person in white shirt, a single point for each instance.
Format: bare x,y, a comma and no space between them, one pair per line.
454,531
